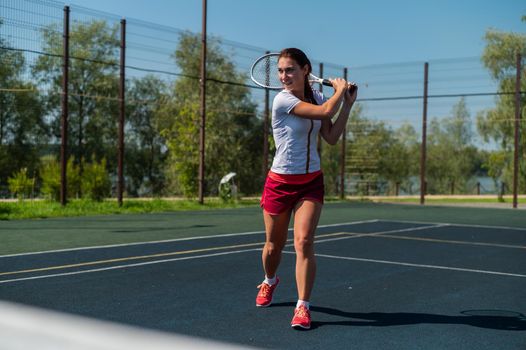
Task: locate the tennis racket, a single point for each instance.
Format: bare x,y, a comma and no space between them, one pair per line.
264,73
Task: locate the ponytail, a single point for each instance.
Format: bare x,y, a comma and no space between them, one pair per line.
309,94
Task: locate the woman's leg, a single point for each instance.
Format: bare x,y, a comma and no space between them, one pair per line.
306,217
276,228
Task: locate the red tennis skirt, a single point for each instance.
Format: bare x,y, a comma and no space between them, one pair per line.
282,192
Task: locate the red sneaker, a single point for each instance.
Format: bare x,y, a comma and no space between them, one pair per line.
264,297
301,318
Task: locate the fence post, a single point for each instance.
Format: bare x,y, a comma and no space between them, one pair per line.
517,126
321,90
201,177
478,188
122,111
65,111
424,139
266,125
342,156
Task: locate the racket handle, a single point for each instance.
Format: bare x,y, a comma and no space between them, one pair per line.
326,82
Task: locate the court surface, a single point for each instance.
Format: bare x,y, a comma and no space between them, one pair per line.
381,284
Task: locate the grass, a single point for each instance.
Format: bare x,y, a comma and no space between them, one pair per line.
40,209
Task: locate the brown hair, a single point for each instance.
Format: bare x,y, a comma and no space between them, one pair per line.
301,58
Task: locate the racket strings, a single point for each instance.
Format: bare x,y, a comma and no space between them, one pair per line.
265,72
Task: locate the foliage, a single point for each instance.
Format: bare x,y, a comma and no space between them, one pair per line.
21,185
450,152
233,131
162,125
93,86
330,163
96,181
227,191
378,156
83,207
145,154
22,125
497,125
50,175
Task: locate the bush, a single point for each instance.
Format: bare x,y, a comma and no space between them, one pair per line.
50,175
96,182
20,184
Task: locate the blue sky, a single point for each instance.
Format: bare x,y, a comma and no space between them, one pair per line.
345,32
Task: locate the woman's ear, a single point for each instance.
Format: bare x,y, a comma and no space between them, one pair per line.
306,70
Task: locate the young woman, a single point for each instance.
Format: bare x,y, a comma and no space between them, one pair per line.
295,182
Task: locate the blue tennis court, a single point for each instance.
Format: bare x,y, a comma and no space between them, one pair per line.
381,284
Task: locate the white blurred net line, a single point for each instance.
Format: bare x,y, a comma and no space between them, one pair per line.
24,327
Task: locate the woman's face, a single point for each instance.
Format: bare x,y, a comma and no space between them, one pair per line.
291,75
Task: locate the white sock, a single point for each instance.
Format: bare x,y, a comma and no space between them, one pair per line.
304,303
270,281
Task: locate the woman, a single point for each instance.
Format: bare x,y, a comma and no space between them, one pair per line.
295,182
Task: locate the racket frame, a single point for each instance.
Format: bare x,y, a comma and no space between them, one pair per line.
312,77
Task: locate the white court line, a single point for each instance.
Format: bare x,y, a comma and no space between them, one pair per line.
121,260
374,234
448,241
418,265
128,265
172,240
459,225
349,236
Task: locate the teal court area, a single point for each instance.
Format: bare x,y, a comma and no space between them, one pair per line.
389,277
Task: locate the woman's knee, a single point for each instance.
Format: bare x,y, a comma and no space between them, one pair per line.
273,248
304,244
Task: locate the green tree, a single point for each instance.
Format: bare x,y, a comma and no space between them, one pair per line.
450,153
233,131
145,153
401,164
362,155
93,87
496,166
22,126
378,157
330,163
496,125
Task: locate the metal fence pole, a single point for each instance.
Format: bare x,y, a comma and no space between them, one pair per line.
122,111
202,84
517,131
424,139
321,90
342,155
266,126
64,120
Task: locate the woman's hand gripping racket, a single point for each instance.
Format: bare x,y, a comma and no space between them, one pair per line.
264,72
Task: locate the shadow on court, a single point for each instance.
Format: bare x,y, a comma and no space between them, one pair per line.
383,319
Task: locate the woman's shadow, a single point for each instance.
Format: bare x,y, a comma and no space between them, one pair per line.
491,319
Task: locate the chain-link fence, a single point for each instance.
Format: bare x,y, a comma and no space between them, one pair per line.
115,103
